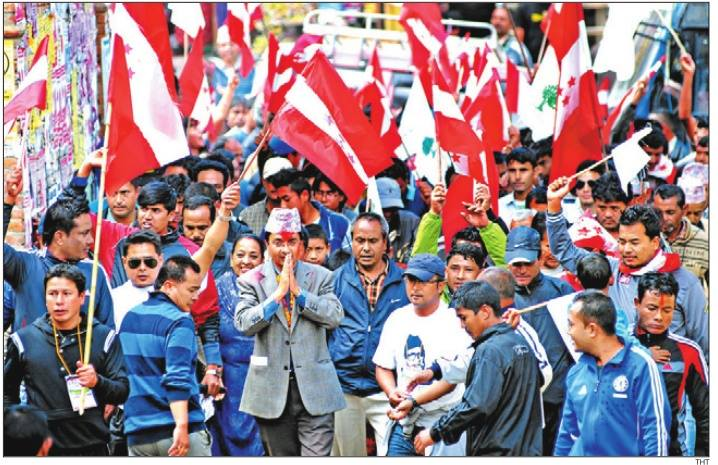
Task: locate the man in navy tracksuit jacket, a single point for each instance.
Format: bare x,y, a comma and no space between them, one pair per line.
616,402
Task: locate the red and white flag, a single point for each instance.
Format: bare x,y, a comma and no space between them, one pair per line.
588,233
422,22
239,24
577,126
304,49
488,112
188,17
323,122
513,86
453,133
625,101
375,94
146,129
602,97
280,76
32,91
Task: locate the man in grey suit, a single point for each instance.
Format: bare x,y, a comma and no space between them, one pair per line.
292,388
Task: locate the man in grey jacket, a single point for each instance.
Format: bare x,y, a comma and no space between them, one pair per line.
639,245
292,388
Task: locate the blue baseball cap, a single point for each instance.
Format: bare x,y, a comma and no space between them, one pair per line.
280,147
389,193
425,266
523,245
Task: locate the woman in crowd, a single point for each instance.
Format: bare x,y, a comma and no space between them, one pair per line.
235,433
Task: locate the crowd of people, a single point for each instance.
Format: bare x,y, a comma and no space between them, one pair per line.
269,316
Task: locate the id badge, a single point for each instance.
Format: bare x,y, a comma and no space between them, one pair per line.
74,389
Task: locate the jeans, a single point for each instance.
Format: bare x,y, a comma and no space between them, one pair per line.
200,445
401,445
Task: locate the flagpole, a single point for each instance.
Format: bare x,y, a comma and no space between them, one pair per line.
599,162
439,155
251,158
542,51
673,32
96,254
521,46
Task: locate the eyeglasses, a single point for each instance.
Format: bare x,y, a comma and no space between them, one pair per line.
580,184
149,262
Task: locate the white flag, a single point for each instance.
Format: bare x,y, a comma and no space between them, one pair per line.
418,131
630,159
558,309
372,197
537,107
187,16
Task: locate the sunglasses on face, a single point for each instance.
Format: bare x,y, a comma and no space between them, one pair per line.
149,262
580,184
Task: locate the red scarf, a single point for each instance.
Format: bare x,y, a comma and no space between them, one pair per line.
662,262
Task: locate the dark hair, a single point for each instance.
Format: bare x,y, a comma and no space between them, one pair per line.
292,178
608,189
175,268
220,157
179,182
322,178
500,279
703,142
470,252
337,258
67,271
499,158
585,164
197,201
310,170
598,308
61,215
158,192
664,283
371,216
397,170
184,162
593,271
538,194
543,147
538,222
522,155
469,234
315,231
25,430
203,189
473,294
655,140
667,191
702,122
254,237
143,236
207,165
645,215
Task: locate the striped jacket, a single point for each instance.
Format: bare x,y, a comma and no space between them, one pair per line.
619,409
160,355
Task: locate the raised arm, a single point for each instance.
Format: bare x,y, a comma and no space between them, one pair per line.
217,233
562,247
685,100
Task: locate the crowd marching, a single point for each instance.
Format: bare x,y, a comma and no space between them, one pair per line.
536,297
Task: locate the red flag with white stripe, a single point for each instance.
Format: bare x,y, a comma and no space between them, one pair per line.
322,121
32,91
146,129
512,87
577,126
239,24
422,22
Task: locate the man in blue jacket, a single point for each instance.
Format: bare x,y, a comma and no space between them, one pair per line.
67,235
370,288
523,250
616,403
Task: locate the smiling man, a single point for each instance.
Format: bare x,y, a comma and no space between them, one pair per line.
639,246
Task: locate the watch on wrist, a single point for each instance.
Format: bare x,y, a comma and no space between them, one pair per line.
211,371
414,403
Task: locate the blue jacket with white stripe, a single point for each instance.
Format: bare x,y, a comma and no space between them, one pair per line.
619,409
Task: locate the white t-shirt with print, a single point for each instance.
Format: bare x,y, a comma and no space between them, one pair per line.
410,343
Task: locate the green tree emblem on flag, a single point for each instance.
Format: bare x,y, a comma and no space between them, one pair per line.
548,97
427,146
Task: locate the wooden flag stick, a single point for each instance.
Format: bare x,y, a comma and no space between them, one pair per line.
674,34
532,308
251,158
96,255
521,47
602,160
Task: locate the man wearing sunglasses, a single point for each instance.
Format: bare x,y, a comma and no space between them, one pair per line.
581,198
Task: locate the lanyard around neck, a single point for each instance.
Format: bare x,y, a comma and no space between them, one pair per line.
57,348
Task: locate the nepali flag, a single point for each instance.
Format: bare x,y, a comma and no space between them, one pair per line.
146,129
321,120
239,24
32,91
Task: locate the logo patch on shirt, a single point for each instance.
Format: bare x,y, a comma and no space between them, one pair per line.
521,350
583,391
620,384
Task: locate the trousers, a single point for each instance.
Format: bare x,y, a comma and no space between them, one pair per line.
350,425
200,445
296,432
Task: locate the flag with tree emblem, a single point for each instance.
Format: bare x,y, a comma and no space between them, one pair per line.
537,101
